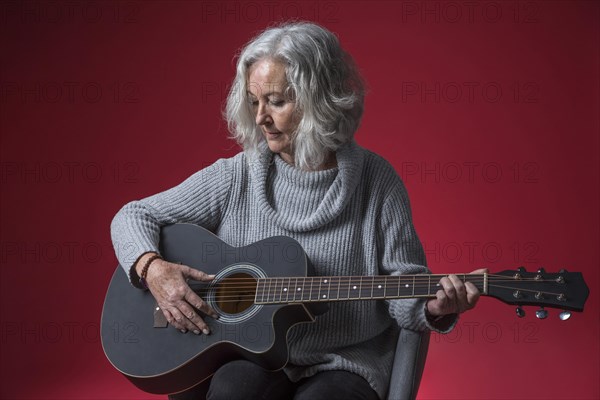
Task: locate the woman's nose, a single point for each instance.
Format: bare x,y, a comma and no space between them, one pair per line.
262,117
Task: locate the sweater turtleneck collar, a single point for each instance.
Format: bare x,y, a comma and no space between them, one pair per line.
345,178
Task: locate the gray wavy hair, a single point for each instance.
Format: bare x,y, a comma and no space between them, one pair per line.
323,79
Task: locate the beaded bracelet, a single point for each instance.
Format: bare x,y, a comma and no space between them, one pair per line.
145,270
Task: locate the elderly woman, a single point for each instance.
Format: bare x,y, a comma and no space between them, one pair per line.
294,106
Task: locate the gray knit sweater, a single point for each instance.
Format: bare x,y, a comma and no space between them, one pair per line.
351,220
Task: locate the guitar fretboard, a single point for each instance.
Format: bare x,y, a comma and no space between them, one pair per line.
337,288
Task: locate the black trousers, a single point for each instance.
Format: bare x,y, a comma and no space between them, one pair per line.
244,380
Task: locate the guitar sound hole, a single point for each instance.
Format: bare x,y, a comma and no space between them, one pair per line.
235,293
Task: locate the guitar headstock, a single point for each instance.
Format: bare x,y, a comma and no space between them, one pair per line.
564,290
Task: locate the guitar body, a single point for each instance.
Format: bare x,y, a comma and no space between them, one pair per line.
160,359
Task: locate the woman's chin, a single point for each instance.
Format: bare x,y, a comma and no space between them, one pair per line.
276,147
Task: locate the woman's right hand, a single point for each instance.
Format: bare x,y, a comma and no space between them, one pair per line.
168,284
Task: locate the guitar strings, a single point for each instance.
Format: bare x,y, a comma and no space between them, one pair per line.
271,297
284,299
344,282
387,277
403,282
270,286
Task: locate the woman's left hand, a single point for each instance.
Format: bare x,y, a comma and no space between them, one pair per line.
456,296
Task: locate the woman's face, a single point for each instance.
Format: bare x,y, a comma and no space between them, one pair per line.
273,110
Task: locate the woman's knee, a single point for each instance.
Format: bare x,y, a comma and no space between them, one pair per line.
242,380
335,385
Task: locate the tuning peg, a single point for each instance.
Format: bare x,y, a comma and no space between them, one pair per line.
564,315
541,313
541,270
562,271
521,269
520,312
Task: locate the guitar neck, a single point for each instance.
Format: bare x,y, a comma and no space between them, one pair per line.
338,288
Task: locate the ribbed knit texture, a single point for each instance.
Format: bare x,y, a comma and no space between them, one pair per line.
351,220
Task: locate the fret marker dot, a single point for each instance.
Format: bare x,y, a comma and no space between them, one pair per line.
325,281
378,286
407,285
353,287
299,289
285,289
324,296
437,284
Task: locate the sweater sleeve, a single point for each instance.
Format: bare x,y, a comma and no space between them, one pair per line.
401,252
201,199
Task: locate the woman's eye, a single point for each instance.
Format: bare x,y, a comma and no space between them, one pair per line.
275,103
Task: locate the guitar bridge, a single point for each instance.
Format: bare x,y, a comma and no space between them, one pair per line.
159,318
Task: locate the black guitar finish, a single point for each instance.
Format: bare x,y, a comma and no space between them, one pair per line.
163,360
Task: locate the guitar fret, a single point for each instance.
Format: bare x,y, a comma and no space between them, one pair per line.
302,289
259,291
360,288
280,291
286,289
353,289
343,288
320,293
323,292
385,286
484,289
279,286
320,285
266,291
429,286
270,294
294,288
333,295
306,292
378,287
275,291
314,292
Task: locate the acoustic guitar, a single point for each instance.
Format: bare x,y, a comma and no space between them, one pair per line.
260,291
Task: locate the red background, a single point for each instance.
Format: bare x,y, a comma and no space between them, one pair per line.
489,111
